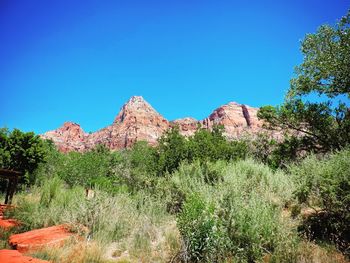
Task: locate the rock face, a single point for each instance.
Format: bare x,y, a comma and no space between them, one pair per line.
187,126
236,118
13,256
139,121
69,137
39,238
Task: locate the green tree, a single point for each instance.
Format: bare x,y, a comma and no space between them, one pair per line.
21,151
201,146
172,150
212,145
323,125
143,157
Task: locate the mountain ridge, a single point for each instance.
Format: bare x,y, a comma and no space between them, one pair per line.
137,120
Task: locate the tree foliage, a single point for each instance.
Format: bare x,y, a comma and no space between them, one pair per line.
323,125
21,151
207,145
203,146
172,150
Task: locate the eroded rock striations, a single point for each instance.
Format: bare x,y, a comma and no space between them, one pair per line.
139,121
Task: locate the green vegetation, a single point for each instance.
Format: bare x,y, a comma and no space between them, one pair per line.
132,222
323,125
21,151
221,211
239,217
204,198
324,186
203,146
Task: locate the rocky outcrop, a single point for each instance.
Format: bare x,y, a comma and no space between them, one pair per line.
187,126
13,256
139,121
69,137
237,119
40,238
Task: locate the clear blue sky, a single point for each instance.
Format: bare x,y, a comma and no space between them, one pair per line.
81,60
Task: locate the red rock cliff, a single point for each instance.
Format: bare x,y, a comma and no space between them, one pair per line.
139,121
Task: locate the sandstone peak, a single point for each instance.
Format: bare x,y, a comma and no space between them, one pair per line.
136,99
139,121
70,136
69,125
233,103
237,119
135,106
137,103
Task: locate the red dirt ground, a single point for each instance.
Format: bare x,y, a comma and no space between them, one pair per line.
13,256
6,223
37,239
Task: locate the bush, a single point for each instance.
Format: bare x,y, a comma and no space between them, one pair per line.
172,150
202,230
277,153
207,145
324,185
239,217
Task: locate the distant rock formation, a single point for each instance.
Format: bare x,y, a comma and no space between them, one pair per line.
139,121
69,137
187,126
236,118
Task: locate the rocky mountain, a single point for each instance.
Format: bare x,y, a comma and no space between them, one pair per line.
139,121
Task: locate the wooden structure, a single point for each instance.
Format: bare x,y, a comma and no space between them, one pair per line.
12,177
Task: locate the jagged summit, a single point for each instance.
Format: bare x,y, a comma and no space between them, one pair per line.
70,124
136,100
138,120
68,137
135,106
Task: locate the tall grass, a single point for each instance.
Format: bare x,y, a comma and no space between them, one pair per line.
239,217
202,212
138,224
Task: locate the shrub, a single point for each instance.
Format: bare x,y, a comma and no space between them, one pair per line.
277,153
324,184
202,230
204,146
238,217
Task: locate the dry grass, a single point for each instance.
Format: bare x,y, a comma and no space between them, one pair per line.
147,244
73,252
120,227
312,253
